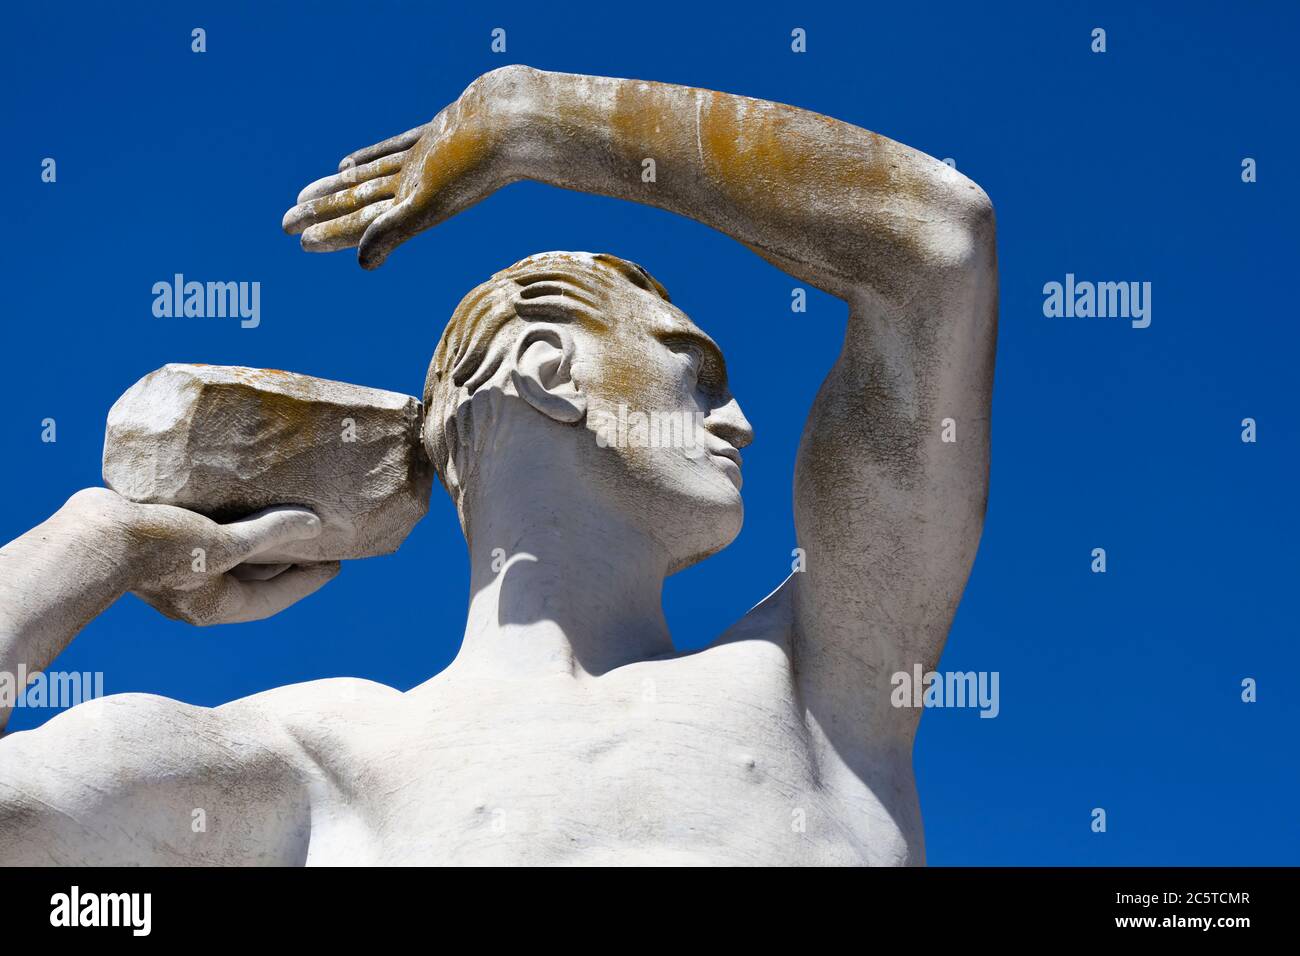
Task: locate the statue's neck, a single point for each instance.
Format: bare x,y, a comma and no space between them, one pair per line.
560,591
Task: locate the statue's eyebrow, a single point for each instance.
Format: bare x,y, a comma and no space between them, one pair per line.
715,365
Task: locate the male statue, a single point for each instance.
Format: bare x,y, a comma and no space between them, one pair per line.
568,730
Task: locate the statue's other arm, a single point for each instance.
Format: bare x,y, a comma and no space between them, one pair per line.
888,512
118,780
63,573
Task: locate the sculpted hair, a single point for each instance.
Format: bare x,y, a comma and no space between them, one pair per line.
569,287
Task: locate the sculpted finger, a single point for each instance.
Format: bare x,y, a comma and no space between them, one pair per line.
385,234
353,176
338,204
394,144
262,599
218,601
229,600
346,231
267,530
257,572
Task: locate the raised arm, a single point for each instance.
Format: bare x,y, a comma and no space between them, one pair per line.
888,511
844,209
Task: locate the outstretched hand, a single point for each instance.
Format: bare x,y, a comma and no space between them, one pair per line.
386,193
335,212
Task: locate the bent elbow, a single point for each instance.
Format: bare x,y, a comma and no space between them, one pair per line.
963,239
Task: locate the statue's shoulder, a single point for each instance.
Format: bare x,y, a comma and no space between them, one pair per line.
131,739
316,704
144,716
98,725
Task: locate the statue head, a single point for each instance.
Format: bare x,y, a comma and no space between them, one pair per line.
575,373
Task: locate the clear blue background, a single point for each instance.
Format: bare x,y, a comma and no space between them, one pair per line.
1119,690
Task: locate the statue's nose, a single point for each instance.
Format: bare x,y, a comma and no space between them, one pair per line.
729,423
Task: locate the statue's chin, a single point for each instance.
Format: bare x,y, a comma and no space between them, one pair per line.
692,508
714,526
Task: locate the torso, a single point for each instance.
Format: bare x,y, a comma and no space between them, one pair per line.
699,759
713,757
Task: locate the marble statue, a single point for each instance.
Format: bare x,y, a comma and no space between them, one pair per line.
568,730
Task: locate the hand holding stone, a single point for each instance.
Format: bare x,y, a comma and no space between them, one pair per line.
193,569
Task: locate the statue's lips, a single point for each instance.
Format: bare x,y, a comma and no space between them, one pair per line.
730,461
727,452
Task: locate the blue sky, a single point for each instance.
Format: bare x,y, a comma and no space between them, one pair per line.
1118,690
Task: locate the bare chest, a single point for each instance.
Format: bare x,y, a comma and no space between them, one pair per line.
677,762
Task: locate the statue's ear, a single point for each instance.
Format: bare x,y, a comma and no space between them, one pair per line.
541,373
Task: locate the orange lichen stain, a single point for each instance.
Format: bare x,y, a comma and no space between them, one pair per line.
750,147
458,155
621,372
638,118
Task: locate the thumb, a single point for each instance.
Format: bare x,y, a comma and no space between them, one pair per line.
268,529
